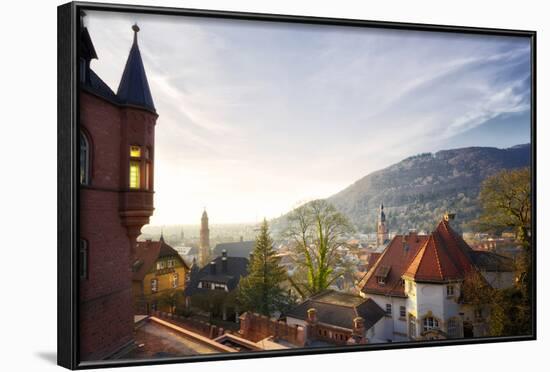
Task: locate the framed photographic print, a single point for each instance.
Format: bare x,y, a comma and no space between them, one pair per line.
237,185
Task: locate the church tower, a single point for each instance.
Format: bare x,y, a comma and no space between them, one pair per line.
382,230
204,244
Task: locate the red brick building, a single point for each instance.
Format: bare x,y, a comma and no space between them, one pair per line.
117,132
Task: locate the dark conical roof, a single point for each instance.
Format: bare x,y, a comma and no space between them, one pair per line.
134,88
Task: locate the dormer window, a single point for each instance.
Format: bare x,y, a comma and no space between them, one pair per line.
382,275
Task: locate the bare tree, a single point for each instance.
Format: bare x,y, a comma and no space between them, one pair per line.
315,231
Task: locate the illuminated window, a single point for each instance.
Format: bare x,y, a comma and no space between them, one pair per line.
135,152
154,285
134,175
175,278
84,160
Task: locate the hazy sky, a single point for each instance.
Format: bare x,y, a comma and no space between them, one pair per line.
256,117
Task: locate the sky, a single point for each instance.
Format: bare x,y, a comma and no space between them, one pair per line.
258,117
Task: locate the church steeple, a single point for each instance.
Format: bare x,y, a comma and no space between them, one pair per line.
204,244
382,230
382,217
133,88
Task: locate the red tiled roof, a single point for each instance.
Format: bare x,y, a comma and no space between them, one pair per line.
397,256
443,255
147,253
371,260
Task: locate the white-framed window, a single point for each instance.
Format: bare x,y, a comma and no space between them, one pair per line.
161,265
450,290
83,259
154,285
84,159
219,286
175,279
453,330
388,310
402,312
430,323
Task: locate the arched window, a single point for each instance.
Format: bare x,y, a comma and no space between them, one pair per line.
84,159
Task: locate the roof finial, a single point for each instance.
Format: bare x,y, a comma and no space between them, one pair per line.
135,27
161,234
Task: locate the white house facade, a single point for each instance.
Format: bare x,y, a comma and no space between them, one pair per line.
418,282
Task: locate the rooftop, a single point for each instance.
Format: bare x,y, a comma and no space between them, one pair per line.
339,309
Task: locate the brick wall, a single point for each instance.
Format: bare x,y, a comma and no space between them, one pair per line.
106,301
256,327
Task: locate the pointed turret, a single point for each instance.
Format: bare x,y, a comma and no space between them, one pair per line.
133,88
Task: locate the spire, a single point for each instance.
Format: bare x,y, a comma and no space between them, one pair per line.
134,88
382,214
161,235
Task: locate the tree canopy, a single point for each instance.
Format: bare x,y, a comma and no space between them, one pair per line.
315,231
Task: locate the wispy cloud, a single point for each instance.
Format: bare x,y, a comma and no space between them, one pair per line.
257,116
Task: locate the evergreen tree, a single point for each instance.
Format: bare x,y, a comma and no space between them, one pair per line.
261,290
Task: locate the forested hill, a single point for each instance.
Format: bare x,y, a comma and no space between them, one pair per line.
418,190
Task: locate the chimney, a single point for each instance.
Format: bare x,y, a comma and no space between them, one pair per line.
224,264
312,315
213,267
359,326
224,253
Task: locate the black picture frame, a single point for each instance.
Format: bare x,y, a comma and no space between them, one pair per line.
68,199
